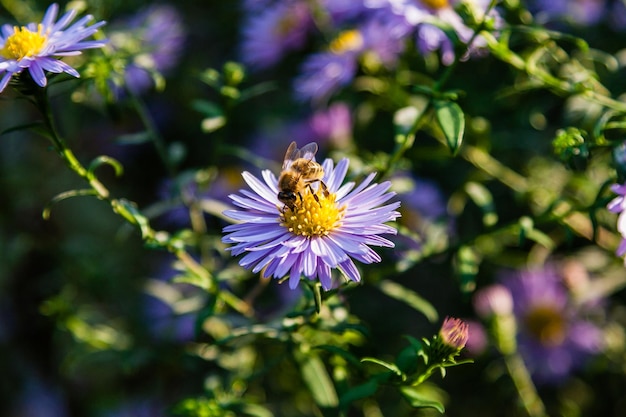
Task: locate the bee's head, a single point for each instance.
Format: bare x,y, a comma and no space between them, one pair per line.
288,198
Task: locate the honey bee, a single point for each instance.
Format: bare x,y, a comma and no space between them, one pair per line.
299,172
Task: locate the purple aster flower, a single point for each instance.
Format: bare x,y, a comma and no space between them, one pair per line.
423,200
427,224
554,337
151,41
256,5
333,124
270,34
324,73
617,16
421,14
577,12
344,10
137,407
493,300
477,341
176,196
36,46
617,205
325,231
39,398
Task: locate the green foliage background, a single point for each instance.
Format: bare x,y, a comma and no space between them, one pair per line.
528,183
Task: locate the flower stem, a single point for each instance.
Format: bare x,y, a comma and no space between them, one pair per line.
126,210
523,383
153,132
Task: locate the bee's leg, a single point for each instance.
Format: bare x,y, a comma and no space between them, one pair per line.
314,193
324,189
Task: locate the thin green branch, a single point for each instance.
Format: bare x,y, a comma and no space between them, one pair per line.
528,395
127,209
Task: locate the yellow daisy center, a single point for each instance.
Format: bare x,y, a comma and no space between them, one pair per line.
546,325
286,24
348,40
436,4
313,216
23,43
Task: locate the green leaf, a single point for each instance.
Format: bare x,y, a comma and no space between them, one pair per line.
409,297
134,138
214,115
451,120
467,264
317,296
390,366
359,392
258,90
254,410
482,197
405,119
528,231
418,399
200,281
408,360
317,379
349,357
129,211
37,127
211,124
207,108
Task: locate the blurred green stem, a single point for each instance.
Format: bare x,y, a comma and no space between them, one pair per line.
501,50
153,132
123,208
405,142
525,388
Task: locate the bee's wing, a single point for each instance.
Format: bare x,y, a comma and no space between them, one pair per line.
308,151
290,155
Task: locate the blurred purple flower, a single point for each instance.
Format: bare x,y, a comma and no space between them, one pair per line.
40,399
323,73
424,215
332,124
323,233
175,196
256,5
138,408
170,310
422,199
152,42
164,324
477,340
494,300
617,205
344,10
36,46
577,12
272,32
420,16
617,16
554,336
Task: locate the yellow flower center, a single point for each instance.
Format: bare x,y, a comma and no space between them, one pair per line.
23,43
436,4
546,325
313,216
286,24
348,40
